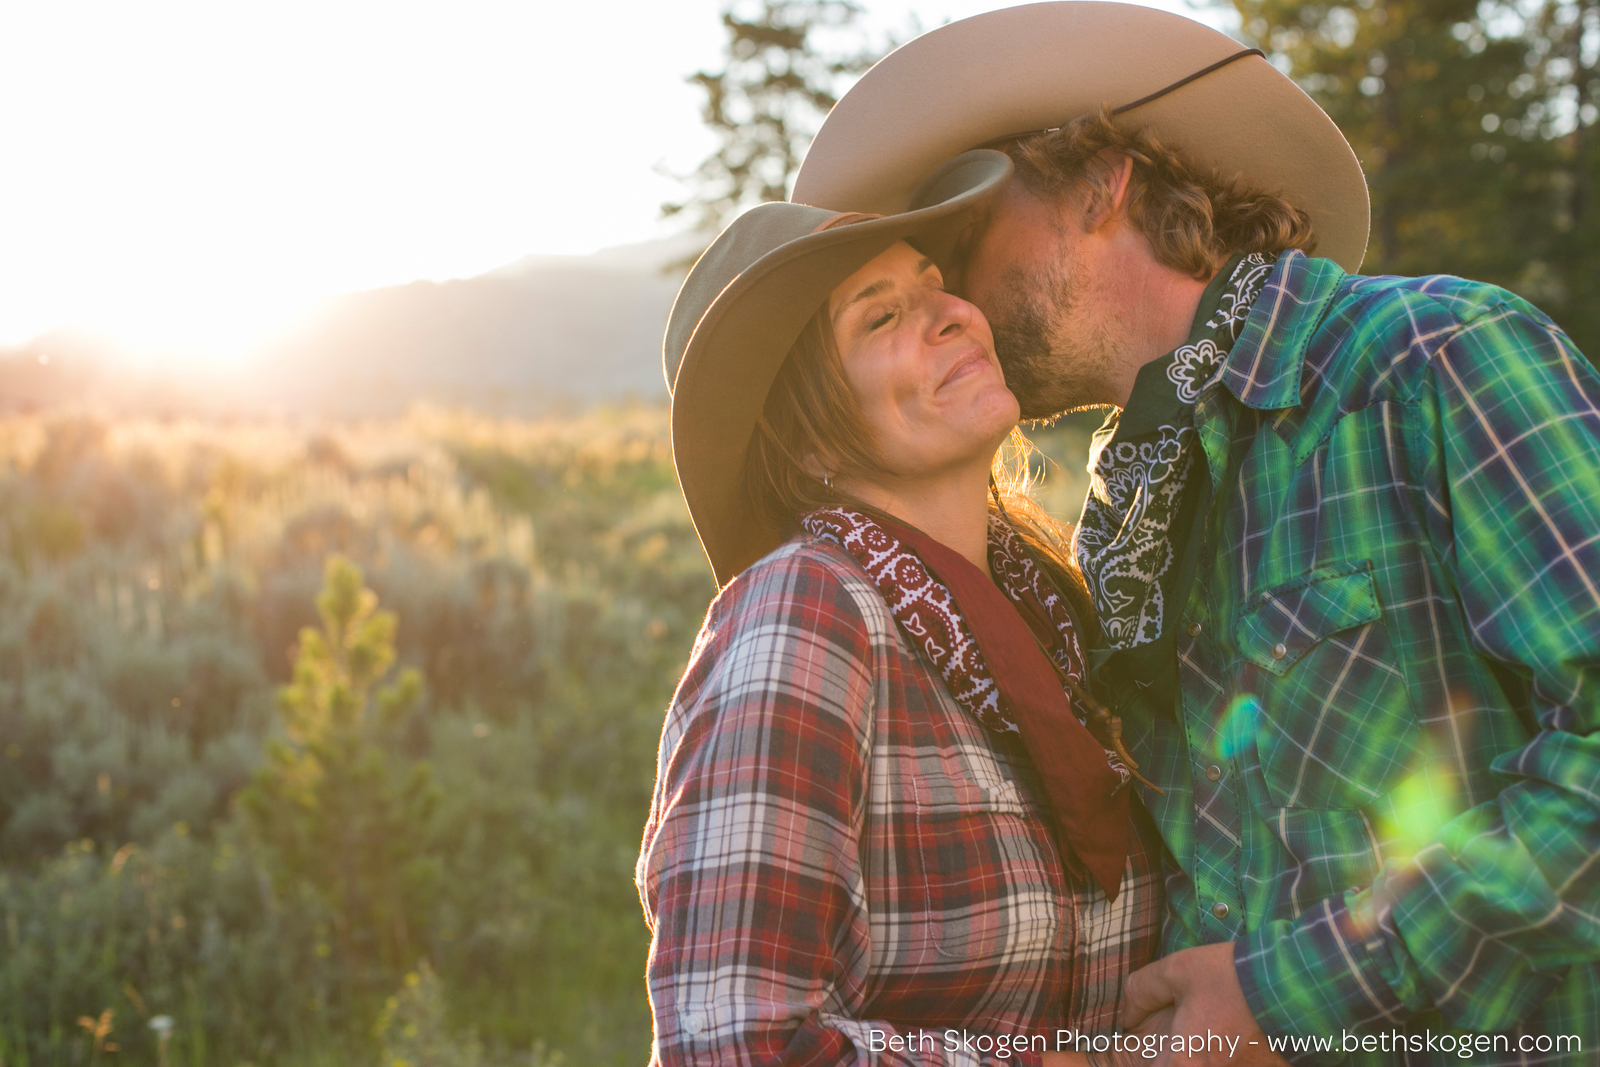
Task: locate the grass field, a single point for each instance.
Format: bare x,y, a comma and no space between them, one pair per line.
441,875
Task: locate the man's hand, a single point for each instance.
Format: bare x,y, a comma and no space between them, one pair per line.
1202,987
1128,1056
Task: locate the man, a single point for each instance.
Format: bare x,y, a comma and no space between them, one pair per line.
1344,535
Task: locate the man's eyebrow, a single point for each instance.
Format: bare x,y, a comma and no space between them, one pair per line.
877,287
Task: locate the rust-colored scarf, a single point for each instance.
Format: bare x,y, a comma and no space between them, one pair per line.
989,639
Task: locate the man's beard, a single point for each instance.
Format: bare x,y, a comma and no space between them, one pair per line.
1050,367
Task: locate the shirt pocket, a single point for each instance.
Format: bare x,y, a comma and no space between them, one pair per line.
1335,727
992,879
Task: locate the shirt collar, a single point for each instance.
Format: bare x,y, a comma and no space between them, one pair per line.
1263,368
1164,391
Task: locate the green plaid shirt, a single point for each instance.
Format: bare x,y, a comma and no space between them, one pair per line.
1382,761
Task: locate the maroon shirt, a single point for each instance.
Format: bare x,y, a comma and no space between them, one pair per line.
835,848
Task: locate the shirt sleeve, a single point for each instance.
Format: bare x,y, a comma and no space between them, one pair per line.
1483,923
750,873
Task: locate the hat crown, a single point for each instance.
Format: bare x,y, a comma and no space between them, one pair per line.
751,237
1031,67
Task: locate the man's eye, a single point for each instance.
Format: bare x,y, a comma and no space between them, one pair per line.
881,321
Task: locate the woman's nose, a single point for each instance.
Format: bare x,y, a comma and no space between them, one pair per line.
952,316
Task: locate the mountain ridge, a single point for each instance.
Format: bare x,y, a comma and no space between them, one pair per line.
537,335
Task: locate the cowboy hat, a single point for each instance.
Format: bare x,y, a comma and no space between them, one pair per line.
742,307
1026,69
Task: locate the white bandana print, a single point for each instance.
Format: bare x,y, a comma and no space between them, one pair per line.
1124,540
927,611
1244,285
922,606
1194,367
1018,576
1123,545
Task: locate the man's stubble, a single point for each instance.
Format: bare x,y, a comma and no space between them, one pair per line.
1054,357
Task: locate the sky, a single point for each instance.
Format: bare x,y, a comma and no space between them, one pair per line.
185,180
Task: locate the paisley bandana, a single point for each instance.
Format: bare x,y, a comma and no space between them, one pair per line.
928,613
1140,465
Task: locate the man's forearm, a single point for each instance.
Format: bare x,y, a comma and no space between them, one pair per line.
1473,926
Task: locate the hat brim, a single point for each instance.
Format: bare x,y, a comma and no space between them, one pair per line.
1038,66
746,333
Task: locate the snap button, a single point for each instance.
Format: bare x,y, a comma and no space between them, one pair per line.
1213,773
1280,650
693,1022
1220,910
1194,629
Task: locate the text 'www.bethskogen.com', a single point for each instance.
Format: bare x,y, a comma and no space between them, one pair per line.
1149,1046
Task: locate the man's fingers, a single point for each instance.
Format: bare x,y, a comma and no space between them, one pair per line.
1145,993
1158,1023
1134,1054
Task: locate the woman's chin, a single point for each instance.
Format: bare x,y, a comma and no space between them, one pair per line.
990,421
996,410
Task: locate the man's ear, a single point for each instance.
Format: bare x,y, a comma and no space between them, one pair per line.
1109,179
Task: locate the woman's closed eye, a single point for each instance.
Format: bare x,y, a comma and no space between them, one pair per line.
880,304
879,317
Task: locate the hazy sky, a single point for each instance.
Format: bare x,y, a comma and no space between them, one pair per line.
187,178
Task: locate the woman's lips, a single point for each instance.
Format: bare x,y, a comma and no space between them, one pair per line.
968,364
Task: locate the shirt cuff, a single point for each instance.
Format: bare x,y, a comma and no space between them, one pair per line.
1328,971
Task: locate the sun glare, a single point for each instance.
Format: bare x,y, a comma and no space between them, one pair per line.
187,179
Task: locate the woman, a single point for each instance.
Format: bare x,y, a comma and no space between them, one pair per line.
881,831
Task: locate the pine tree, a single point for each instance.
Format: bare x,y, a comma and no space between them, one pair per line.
1474,123
1563,107
786,64
335,808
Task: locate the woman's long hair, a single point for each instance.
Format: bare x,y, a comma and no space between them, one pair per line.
811,415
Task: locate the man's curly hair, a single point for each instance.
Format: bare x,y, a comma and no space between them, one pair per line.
1195,219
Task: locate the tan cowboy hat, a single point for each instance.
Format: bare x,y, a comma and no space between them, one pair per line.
740,311
1025,69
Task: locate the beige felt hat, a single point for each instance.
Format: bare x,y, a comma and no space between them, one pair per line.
739,312
1024,69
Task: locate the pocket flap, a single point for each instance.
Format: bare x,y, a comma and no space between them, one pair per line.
1289,619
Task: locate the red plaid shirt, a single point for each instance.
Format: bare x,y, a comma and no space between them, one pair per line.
835,847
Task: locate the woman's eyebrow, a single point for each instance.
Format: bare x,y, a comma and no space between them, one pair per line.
866,294
877,287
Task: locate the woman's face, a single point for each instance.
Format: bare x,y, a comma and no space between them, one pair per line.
921,364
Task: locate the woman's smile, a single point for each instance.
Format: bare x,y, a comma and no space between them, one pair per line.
971,363
921,364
